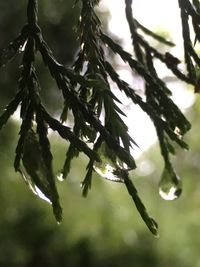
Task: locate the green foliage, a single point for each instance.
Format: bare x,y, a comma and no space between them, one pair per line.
86,89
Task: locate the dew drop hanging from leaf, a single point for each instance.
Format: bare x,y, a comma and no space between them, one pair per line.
106,170
108,166
60,177
36,173
170,185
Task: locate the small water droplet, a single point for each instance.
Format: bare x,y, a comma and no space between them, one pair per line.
22,47
170,186
177,131
60,177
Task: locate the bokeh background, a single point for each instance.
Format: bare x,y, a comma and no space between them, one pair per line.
103,229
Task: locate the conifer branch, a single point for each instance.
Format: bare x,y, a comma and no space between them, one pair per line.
87,94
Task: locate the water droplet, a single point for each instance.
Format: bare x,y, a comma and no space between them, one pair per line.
22,47
40,194
177,131
60,177
110,166
170,186
106,170
82,46
121,165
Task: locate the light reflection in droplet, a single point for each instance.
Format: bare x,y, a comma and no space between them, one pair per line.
41,195
60,177
170,186
22,47
107,171
171,193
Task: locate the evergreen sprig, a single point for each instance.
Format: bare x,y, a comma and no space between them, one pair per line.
172,125
150,222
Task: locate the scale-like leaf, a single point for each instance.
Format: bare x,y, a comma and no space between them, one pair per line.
40,176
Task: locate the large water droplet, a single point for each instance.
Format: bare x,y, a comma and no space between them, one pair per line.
110,165
106,170
170,186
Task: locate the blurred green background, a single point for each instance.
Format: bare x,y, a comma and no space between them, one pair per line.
104,229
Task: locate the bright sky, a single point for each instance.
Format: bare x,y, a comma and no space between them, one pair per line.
155,15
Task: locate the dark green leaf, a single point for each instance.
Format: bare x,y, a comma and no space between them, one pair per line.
150,222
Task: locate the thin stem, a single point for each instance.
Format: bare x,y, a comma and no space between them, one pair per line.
32,11
133,31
